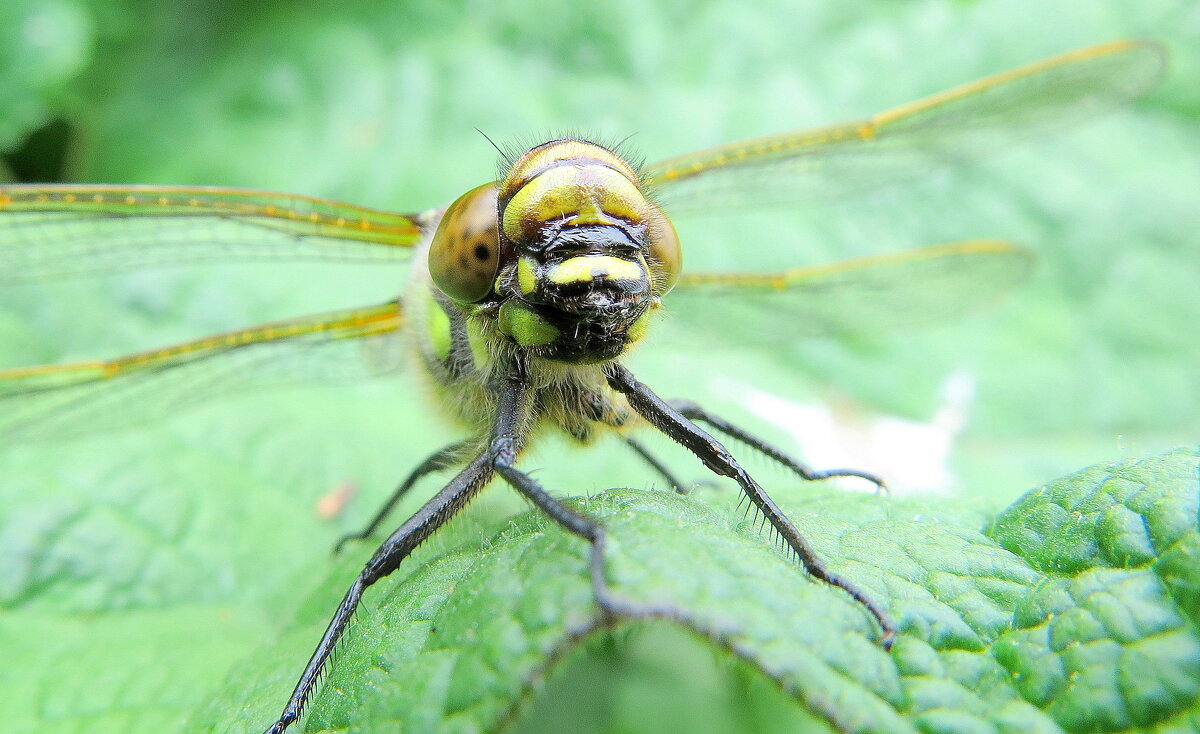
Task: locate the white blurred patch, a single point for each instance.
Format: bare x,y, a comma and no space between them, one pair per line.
911,456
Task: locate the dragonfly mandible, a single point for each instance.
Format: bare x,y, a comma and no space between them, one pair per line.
525,293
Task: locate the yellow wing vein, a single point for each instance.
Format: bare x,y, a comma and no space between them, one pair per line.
1143,65
294,212
351,324
791,276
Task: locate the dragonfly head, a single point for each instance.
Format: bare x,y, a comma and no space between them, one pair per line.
581,256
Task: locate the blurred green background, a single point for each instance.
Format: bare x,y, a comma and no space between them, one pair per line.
210,515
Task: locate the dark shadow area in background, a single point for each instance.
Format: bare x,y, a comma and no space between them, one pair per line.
42,157
657,677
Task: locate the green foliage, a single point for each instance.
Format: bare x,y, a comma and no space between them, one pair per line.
174,578
1074,611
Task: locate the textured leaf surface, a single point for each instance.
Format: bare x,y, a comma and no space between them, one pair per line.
1075,610
997,634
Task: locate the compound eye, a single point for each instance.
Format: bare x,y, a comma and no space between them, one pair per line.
464,255
666,255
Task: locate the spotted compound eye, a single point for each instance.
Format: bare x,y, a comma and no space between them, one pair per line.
666,256
464,256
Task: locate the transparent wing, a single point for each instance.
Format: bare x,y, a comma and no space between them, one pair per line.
963,122
54,401
50,231
867,294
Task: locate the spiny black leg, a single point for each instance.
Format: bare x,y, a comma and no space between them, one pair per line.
601,409
443,458
508,439
671,422
440,508
611,605
659,467
694,412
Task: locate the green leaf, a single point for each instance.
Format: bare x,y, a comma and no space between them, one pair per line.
54,677
1107,640
1056,619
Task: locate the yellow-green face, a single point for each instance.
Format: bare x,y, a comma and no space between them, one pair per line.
579,258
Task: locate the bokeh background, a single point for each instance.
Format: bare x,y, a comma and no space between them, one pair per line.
175,549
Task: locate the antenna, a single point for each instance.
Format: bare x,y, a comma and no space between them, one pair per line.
505,156
624,140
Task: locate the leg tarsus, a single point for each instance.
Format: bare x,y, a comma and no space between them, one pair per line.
514,406
443,458
671,421
432,515
612,606
658,466
694,412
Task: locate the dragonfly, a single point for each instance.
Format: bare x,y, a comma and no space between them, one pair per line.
526,293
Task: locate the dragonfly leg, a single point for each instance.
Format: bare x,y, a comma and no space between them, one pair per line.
507,442
511,422
673,423
439,509
443,458
601,409
658,466
611,604
694,412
